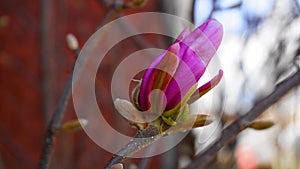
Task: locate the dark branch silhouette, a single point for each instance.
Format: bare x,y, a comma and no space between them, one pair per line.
231,131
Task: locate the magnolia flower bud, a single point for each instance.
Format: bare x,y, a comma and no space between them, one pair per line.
72,41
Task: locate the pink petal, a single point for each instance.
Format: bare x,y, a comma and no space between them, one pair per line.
205,39
155,76
182,35
206,87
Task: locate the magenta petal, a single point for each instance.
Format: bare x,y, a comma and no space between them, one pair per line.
205,39
210,84
194,51
206,87
150,77
145,86
197,49
189,72
182,35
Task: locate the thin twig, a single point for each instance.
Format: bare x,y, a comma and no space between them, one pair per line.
55,123
231,131
141,140
58,113
57,116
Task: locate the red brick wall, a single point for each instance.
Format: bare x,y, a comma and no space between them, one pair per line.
34,65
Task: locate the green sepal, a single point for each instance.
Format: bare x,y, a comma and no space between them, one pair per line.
168,120
191,121
178,108
182,116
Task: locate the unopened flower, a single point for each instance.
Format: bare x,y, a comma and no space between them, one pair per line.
179,68
175,74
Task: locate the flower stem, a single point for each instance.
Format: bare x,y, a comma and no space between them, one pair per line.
141,140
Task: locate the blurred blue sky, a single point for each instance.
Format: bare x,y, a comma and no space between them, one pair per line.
234,20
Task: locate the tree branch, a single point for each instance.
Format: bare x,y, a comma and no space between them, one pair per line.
57,116
55,123
231,131
141,140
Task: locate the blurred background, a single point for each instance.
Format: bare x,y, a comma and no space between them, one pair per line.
260,47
